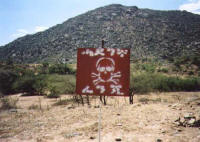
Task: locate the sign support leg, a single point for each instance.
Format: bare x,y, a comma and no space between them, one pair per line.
99,126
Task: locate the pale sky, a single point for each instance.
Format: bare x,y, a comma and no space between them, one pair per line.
21,17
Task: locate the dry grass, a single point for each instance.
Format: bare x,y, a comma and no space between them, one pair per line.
141,122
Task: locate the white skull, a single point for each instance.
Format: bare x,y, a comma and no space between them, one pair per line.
105,65
105,68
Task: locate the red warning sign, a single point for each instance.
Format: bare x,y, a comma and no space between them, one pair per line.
103,71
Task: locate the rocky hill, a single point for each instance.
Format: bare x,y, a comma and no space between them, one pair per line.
149,33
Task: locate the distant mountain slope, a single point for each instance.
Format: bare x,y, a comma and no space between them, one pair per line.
149,33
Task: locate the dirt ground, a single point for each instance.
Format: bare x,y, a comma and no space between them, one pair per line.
150,119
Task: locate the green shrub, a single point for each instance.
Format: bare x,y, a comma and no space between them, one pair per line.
65,84
196,60
7,78
191,73
31,84
57,68
25,84
70,85
193,59
175,69
135,67
70,70
44,69
164,70
149,67
54,93
40,84
151,82
141,83
61,69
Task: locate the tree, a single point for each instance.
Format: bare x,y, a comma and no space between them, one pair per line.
40,85
31,84
7,77
45,68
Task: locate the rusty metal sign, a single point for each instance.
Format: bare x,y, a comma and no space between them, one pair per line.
103,71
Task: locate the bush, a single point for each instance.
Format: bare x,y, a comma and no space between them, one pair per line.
7,77
9,103
70,85
144,100
33,106
164,70
24,84
148,67
31,84
61,69
193,59
40,84
148,82
63,83
191,73
141,83
44,69
54,93
57,68
196,60
64,101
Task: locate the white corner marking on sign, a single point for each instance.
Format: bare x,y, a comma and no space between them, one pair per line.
122,52
116,89
86,90
99,51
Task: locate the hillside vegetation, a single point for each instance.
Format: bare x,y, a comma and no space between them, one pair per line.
55,79
149,33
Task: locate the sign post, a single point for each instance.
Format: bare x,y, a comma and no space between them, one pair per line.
99,125
103,72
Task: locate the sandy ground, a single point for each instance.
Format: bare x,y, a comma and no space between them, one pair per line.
150,119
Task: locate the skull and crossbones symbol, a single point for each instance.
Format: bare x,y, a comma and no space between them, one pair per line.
105,71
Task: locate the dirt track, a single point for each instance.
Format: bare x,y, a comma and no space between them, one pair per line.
149,119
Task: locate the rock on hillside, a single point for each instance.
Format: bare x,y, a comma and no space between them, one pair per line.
149,33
